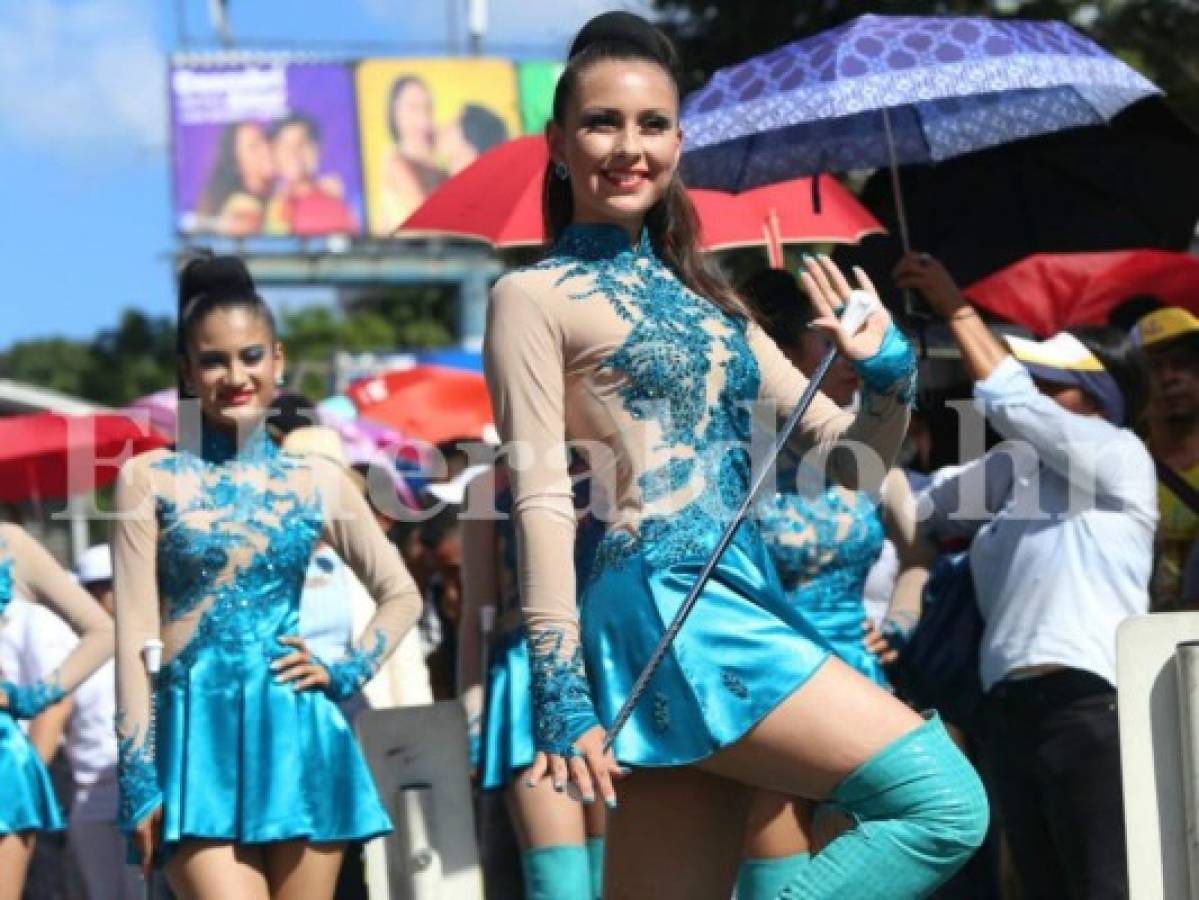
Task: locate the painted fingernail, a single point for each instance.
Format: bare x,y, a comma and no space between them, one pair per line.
611,802
529,782
559,786
625,770
588,798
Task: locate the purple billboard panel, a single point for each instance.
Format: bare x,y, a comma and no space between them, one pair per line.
265,148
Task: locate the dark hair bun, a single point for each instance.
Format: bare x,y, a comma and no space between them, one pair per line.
214,276
625,29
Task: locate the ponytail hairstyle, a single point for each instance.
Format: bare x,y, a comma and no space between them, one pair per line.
208,283
672,223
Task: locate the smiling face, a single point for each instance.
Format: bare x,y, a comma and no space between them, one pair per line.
620,140
233,363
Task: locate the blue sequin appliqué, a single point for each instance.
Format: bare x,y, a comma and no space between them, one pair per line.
6,576
561,694
348,675
137,776
665,365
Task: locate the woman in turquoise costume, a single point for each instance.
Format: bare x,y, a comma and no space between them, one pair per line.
27,801
236,767
623,343
561,841
824,539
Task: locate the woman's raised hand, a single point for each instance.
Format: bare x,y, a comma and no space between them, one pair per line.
829,290
591,773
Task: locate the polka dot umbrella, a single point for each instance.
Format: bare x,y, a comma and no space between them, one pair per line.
881,91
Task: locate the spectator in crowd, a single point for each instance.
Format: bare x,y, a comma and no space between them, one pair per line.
441,544
1170,338
96,846
1061,530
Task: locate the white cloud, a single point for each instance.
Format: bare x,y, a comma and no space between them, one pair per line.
79,77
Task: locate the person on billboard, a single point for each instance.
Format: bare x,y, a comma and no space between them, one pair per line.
234,200
236,770
469,136
410,171
305,202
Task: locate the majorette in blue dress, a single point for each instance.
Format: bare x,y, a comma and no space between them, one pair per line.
602,345
210,552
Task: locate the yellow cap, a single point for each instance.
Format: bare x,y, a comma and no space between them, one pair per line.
1163,325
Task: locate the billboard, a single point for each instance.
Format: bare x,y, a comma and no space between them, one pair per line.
265,148
423,120
273,147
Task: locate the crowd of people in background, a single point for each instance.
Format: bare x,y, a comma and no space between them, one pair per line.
1045,735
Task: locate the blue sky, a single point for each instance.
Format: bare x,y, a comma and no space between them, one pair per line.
86,227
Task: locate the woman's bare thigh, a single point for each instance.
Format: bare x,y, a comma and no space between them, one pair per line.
777,825
15,853
217,870
301,870
543,817
817,736
677,835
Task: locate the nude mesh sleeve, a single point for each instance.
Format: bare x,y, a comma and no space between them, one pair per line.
39,577
135,586
351,529
855,449
525,366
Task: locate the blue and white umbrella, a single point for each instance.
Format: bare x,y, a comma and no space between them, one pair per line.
887,90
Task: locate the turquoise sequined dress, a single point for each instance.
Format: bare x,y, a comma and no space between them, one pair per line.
27,800
823,540
232,754
602,345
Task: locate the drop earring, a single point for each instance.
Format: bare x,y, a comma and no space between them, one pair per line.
561,171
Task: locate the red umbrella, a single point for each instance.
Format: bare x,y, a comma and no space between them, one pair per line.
782,213
1047,292
47,455
430,403
498,199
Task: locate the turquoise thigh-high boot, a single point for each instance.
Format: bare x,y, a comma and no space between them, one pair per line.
595,859
557,873
764,879
921,813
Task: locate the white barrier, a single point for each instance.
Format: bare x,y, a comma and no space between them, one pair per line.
1157,807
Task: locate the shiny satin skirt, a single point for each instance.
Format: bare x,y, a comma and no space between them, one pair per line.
743,650
842,628
27,800
243,759
508,719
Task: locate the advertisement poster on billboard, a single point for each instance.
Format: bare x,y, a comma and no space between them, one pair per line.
265,149
423,120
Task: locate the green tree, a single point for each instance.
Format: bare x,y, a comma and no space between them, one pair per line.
134,359
56,363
